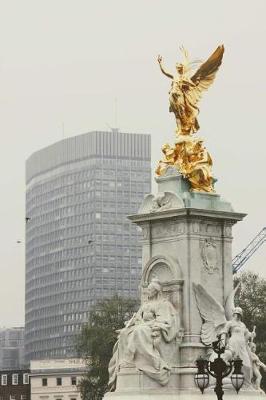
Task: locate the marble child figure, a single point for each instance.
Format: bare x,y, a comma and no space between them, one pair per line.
256,365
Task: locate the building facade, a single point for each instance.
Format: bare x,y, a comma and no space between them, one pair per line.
14,384
80,247
56,379
12,348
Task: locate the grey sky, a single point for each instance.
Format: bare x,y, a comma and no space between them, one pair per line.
66,61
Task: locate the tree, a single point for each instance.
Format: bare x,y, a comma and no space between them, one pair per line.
252,299
96,341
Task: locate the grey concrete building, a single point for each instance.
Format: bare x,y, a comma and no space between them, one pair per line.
12,348
80,247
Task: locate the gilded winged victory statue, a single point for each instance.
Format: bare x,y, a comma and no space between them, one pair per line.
189,156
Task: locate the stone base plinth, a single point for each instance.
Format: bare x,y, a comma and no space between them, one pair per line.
130,379
182,395
135,385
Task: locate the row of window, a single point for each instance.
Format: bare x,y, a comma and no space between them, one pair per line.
65,352
77,193
16,397
132,193
40,247
39,234
26,380
81,242
38,257
14,379
40,266
97,167
90,174
130,266
57,309
59,381
61,220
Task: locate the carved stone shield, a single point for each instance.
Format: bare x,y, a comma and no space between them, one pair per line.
209,256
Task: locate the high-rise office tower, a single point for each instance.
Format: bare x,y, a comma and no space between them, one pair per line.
12,348
80,247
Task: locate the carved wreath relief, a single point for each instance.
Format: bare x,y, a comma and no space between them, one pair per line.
209,256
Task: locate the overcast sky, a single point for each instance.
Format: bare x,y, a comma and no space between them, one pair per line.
65,62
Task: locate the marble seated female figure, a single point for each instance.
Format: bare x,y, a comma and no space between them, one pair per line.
139,341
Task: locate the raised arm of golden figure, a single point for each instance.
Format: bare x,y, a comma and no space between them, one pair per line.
160,60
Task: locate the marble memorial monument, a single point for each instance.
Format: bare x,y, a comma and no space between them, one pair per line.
187,293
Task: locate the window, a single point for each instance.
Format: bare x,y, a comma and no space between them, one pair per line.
44,381
12,397
59,381
73,381
23,397
4,380
25,379
14,379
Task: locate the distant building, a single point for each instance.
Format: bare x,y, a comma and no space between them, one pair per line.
12,348
80,247
14,384
56,379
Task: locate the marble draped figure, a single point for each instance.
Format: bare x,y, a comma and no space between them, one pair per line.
226,321
139,342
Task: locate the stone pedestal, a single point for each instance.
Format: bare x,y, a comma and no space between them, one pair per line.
187,238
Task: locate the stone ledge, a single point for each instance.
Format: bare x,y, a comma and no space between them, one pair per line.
188,212
192,394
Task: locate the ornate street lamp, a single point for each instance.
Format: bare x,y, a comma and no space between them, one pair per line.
202,377
237,377
219,369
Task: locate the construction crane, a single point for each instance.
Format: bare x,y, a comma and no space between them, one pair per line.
241,258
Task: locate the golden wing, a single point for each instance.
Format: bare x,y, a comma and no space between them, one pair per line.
205,75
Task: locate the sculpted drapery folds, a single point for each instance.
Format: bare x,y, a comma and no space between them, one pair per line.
188,155
226,321
139,341
237,343
187,88
192,160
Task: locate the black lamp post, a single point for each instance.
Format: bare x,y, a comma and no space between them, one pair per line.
219,369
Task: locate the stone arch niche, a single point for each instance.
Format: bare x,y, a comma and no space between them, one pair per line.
170,277
162,267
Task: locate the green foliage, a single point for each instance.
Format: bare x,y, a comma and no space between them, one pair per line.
252,299
96,341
